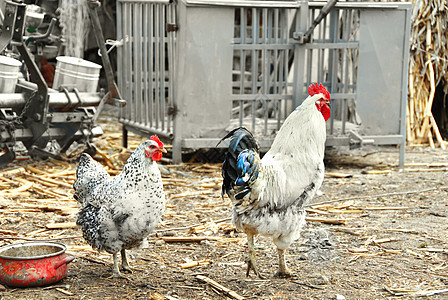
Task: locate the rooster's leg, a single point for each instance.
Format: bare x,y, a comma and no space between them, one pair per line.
283,271
124,262
116,271
251,262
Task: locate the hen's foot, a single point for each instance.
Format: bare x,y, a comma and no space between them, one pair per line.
283,274
124,262
118,275
126,268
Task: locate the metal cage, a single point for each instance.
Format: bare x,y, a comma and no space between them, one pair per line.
194,69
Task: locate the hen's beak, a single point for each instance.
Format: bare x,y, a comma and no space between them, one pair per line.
163,150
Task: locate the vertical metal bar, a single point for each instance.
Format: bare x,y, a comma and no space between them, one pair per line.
319,51
132,63
241,113
276,60
160,66
309,54
271,68
265,55
299,55
283,67
120,55
277,53
321,58
255,32
341,59
265,73
125,137
171,65
288,52
121,35
157,67
279,113
346,35
266,112
333,63
404,86
138,62
150,62
126,60
162,111
145,59
284,62
264,16
354,53
243,33
309,64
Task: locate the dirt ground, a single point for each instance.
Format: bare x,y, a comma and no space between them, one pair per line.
388,238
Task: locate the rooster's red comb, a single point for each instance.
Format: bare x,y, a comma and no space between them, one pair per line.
318,89
156,139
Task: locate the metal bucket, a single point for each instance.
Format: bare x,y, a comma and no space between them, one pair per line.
9,72
33,263
74,72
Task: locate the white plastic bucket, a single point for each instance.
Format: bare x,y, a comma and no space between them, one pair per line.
74,72
9,72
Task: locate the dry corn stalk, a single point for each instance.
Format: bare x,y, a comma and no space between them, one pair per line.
428,68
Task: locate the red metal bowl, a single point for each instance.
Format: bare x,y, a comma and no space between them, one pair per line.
33,263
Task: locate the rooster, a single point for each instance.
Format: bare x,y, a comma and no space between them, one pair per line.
269,194
118,213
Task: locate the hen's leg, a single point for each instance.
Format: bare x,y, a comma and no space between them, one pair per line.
283,271
251,261
116,271
124,262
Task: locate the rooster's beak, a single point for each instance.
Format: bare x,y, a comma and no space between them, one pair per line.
163,150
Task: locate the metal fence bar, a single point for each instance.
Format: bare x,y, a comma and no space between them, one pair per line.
146,57
120,55
163,69
171,65
151,67
137,62
157,66
128,60
255,39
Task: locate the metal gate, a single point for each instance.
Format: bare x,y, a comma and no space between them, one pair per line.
146,65
247,63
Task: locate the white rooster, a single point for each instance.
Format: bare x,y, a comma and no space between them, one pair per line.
269,194
118,213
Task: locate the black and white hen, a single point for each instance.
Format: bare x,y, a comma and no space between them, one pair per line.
118,213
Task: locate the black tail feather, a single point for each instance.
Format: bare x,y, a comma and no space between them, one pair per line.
240,139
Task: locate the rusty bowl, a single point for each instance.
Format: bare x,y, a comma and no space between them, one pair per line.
33,263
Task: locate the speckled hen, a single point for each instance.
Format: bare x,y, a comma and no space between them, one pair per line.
269,194
118,213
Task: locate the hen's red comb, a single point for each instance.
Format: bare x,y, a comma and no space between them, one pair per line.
156,139
318,89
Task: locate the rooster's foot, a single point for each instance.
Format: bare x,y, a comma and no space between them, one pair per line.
283,274
252,266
